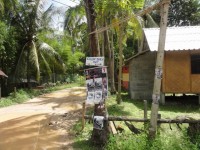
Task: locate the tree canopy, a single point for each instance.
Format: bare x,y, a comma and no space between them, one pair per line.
30,47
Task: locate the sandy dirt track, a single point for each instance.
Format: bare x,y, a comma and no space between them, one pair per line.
42,123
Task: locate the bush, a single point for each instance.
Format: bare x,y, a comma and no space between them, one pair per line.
21,96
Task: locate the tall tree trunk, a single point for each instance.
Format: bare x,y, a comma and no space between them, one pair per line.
91,17
28,70
119,99
102,45
112,66
99,137
108,42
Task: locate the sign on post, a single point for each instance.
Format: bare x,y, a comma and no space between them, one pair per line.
94,61
97,84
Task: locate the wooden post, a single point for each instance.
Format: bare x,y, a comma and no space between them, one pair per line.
141,43
112,126
159,117
177,119
158,69
199,99
83,116
15,90
145,114
145,109
158,129
0,91
162,97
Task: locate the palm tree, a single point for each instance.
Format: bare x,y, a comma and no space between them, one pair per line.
75,25
28,16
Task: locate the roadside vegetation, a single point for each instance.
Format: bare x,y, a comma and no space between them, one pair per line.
170,136
23,95
32,49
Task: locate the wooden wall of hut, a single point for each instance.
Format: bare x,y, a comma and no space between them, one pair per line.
177,75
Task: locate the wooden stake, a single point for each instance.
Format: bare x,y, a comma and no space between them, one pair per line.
145,114
15,90
145,109
159,117
162,95
0,91
112,126
159,67
83,114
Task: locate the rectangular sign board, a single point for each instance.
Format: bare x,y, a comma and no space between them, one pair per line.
94,61
97,84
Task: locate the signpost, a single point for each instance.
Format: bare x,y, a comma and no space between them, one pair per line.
97,93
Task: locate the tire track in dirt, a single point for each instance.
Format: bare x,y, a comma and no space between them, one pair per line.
42,123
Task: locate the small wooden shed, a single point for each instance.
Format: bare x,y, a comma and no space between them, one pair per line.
181,68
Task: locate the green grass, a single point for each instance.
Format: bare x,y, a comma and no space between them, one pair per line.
23,95
166,139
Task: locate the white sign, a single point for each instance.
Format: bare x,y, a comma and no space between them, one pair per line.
94,61
158,73
98,122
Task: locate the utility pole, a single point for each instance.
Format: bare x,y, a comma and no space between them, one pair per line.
159,68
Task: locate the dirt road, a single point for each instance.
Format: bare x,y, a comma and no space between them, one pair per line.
42,123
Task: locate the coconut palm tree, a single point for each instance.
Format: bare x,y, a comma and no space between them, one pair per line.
75,25
34,53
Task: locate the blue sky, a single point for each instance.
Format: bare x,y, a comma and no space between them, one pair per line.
63,5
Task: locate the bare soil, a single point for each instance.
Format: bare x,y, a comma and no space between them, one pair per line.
42,123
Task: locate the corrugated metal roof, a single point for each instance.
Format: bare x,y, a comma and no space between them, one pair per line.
177,38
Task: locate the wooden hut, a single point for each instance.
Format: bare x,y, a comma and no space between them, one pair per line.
181,68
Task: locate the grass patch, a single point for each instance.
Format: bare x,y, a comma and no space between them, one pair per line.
166,139
170,141
23,95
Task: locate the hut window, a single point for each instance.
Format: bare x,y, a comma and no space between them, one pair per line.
195,64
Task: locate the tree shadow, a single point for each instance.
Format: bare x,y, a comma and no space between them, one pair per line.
118,110
73,96
40,129
182,104
27,133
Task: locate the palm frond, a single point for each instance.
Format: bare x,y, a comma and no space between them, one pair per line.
1,6
46,64
150,22
33,57
21,63
53,56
